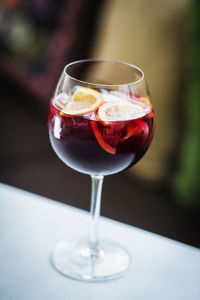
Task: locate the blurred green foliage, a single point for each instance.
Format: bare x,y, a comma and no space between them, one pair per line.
187,179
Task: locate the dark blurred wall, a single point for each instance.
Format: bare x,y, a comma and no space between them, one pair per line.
38,38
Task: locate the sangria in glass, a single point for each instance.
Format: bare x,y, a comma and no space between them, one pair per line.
100,122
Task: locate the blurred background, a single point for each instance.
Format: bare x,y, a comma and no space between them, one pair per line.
38,37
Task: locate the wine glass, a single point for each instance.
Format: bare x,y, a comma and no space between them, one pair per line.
100,122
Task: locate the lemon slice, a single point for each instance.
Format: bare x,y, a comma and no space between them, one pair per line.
121,111
83,101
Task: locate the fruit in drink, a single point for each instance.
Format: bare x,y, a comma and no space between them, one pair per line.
100,133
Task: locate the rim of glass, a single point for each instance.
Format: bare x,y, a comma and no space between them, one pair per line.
104,60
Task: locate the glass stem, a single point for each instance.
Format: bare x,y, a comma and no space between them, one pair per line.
97,182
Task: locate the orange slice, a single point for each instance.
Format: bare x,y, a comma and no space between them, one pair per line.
108,98
83,101
137,133
139,128
121,111
108,136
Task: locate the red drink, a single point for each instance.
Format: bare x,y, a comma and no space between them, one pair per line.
100,123
92,146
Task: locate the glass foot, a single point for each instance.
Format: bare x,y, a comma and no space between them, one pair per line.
78,261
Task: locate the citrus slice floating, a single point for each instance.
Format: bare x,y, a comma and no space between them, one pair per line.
108,98
121,111
108,136
136,136
139,128
83,101
120,126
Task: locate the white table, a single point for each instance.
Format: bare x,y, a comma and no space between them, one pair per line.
31,225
